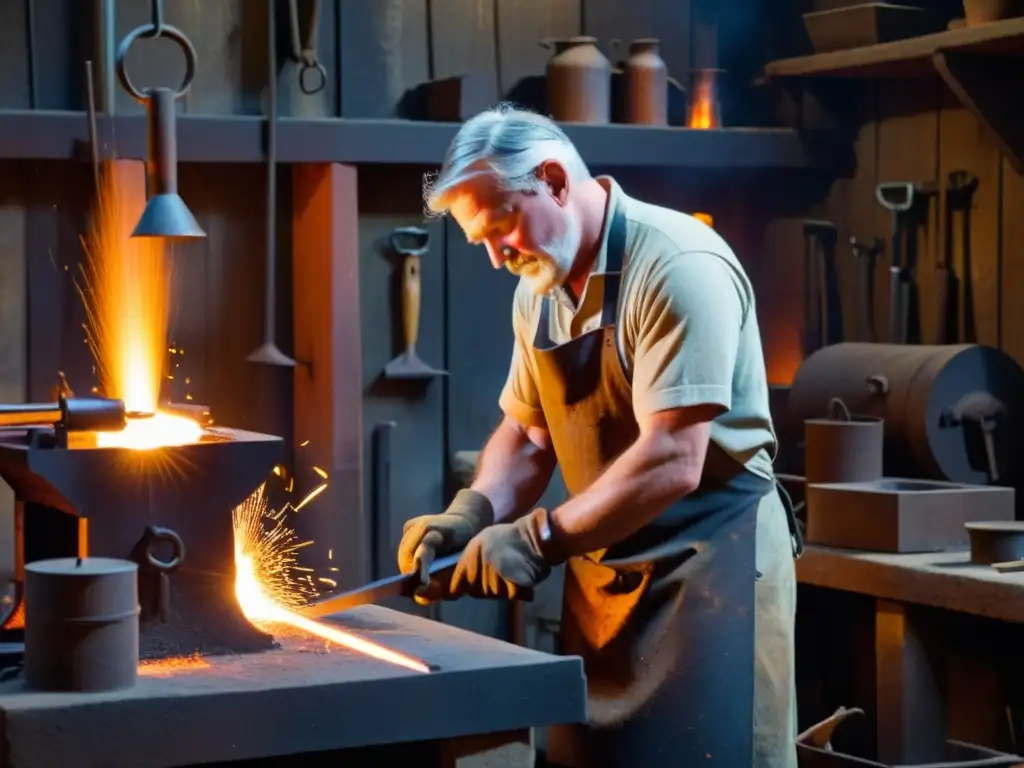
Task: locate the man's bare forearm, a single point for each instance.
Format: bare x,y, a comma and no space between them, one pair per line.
657,470
514,468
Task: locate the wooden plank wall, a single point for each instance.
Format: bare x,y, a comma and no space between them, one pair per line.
373,52
915,130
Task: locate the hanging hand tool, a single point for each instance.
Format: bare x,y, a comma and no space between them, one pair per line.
401,585
822,312
408,364
960,189
381,481
165,214
312,75
866,254
268,352
897,198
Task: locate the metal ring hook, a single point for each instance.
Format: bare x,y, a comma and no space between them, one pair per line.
318,84
156,534
306,54
151,31
157,10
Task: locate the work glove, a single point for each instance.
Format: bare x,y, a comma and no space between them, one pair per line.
427,537
504,559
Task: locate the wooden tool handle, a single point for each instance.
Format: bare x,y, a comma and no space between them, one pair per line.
411,300
942,306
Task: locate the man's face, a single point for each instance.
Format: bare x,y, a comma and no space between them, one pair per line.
532,234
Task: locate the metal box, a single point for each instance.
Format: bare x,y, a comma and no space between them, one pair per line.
900,515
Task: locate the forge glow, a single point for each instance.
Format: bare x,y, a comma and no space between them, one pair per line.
267,592
125,285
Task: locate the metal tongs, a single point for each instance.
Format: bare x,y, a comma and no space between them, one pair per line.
401,585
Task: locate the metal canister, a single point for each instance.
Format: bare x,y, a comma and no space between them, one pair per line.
843,448
81,624
579,82
952,412
994,541
646,83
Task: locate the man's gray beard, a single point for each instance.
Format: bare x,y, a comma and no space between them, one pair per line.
561,255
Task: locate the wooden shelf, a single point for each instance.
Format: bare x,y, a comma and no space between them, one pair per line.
37,134
982,66
906,58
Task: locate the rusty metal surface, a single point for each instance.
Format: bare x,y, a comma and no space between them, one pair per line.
191,490
921,392
301,698
995,541
900,515
844,448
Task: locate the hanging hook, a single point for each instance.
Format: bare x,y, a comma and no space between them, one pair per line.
312,74
157,28
157,9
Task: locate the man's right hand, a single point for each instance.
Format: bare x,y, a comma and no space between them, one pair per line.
430,536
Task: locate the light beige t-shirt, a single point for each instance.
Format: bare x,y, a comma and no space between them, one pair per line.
687,330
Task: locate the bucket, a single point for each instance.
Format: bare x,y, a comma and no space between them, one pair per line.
843,448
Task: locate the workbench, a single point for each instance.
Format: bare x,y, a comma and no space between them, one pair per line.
310,697
909,698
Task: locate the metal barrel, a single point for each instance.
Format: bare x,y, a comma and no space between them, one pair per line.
81,624
928,397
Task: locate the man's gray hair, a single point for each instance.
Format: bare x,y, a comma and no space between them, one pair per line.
508,143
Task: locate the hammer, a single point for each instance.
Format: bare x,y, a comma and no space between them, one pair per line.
68,414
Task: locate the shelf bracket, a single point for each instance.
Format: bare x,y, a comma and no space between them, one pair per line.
983,85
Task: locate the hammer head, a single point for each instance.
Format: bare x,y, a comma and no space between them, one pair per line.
91,414
824,230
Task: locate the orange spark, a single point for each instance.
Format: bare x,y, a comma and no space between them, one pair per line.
125,286
266,589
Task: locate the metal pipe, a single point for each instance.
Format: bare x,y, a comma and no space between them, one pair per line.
33,74
270,297
94,140
268,352
29,414
106,48
162,138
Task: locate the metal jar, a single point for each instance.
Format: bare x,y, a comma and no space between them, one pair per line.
646,83
948,410
579,82
843,448
81,624
996,541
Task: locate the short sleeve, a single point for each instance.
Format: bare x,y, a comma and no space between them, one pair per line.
520,398
685,324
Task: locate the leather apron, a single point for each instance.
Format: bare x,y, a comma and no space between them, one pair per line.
664,621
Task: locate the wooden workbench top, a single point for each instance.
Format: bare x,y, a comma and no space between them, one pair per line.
938,579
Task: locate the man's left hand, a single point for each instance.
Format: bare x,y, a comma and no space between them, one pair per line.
503,559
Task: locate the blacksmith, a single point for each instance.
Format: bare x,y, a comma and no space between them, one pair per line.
638,370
